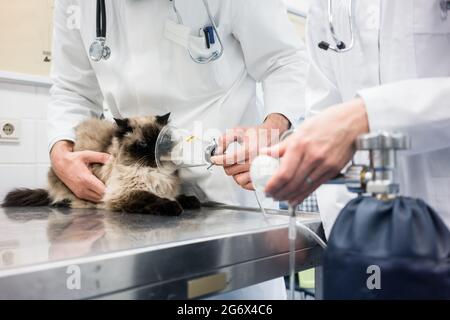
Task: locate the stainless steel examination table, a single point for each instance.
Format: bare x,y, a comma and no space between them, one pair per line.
48,253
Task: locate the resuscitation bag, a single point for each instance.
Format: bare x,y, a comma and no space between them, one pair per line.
395,249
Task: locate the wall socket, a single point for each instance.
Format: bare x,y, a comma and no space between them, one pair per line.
9,130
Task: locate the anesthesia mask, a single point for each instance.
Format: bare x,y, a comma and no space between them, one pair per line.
178,148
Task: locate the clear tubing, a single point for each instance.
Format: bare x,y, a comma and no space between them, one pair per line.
260,204
260,172
314,235
292,237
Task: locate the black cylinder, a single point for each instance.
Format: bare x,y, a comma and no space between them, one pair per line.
396,249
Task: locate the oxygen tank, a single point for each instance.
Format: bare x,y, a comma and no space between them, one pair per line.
382,245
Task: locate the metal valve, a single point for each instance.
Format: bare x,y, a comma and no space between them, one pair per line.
378,177
355,178
210,150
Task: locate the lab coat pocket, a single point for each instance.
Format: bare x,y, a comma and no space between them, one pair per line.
195,78
431,39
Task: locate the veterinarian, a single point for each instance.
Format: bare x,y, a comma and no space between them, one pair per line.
395,77
199,60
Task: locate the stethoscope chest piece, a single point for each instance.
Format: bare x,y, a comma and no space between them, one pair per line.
99,50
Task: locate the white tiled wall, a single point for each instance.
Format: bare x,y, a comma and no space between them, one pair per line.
24,164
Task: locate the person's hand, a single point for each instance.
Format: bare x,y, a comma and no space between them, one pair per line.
317,151
76,238
236,163
73,169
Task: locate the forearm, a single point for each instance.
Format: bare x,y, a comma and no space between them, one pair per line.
284,86
65,111
279,62
418,108
75,94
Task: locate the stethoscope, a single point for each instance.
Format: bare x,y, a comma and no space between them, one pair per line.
340,45
99,50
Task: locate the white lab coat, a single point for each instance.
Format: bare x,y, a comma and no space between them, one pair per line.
150,72
400,66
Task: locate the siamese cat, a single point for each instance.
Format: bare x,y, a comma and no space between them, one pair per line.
133,181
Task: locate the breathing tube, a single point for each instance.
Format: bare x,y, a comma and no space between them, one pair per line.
262,169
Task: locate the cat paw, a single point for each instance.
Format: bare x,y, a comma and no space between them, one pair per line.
165,207
189,202
147,203
66,203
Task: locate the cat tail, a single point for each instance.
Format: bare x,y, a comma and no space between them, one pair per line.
27,198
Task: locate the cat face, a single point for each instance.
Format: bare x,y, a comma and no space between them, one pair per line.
137,138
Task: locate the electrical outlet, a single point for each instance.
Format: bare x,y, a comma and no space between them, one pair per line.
9,130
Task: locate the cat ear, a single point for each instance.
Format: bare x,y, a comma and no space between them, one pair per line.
163,120
123,127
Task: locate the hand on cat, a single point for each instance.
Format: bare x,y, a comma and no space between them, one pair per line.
72,168
236,163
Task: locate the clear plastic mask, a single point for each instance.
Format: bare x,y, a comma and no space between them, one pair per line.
178,148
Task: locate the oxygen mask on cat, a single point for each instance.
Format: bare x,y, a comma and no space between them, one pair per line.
179,148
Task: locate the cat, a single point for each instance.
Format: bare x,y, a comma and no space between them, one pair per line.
133,181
